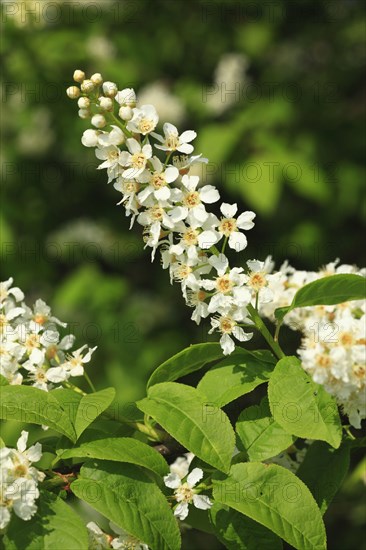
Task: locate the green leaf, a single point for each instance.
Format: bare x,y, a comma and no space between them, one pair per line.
127,496
235,376
55,525
323,470
302,407
201,427
120,449
185,362
34,406
261,436
327,291
275,498
84,409
238,532
91,406
3,381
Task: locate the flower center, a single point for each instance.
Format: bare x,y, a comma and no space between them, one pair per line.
113,155
346,339
224,284
257,281
20,470
156,213
227,325
32,341
192,199
359,371
138,160
190,237
172,141
146,125
130,187
182,272
184,493
323,361
227,226
40,319
158,180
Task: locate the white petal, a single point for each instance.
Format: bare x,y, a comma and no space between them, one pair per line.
187,136
133,145
206,239
162,194
194,477
209,194
185,148
229,210
245,220
171,174
22,441
240,335
170,129
57,374
172,481
255,265
34,453
199,213
181,510
147,150
202,502
238,241
178,213
220,263
227,344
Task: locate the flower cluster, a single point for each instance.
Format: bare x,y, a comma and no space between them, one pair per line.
333,345
31,350
98,540
19,480
171,205
184,485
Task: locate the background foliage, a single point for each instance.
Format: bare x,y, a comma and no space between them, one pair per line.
275,92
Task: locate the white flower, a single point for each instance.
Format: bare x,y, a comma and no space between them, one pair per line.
125,541
90,138
114,137
73,366
172,141
111,156
135,159
193,199
144,120
6,291
185,493
159,182
229,227
227,325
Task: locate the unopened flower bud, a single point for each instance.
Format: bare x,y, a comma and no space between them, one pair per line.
84,103
98,121
84,113
79,76
125,113
110,89
127,97
97,79
73,92
87,86
90,138
106,103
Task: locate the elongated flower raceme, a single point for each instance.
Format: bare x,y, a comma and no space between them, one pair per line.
172,206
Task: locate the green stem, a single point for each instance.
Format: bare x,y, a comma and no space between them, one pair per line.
265,332
87,378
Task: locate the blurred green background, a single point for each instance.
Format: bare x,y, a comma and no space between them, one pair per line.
275,91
